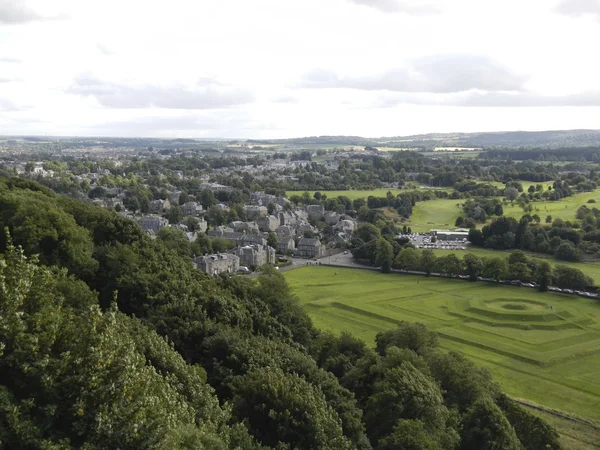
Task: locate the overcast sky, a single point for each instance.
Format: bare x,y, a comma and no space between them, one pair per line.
286,68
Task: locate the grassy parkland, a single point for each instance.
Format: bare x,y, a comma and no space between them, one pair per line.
442,213
544,348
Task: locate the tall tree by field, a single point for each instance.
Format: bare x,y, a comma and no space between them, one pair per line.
543,276
407,259
384,255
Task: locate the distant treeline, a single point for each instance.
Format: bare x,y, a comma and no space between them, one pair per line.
541,154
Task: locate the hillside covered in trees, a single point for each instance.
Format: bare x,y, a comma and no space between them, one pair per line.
506,139
109,339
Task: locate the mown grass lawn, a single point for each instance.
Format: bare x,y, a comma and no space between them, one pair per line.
435,214
550,357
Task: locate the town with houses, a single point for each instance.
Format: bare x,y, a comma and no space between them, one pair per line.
273,229
291,226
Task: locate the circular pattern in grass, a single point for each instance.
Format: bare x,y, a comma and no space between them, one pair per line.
495,310
517,305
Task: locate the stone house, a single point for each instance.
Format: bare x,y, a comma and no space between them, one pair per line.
192,209
217,263
216,187
331,218
316,212
286,244
226,233
301,229
268,223
238,226
346,226
285,231
251,239
253,227
244,227
309,247
159,206
153,223
254,212
175,197
202,225
254,255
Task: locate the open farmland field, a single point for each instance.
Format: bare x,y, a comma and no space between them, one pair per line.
350,194
549,357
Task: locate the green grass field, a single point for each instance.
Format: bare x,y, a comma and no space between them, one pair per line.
443,213
434,214
549,357
573,436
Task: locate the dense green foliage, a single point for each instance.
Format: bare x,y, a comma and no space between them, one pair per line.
109,339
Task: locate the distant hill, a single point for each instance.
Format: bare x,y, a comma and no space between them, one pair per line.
488,140
508,139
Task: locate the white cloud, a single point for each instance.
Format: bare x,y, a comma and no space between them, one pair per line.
207,94
579,8
8,105
415,7
269,68
14,12
437,74
475,98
